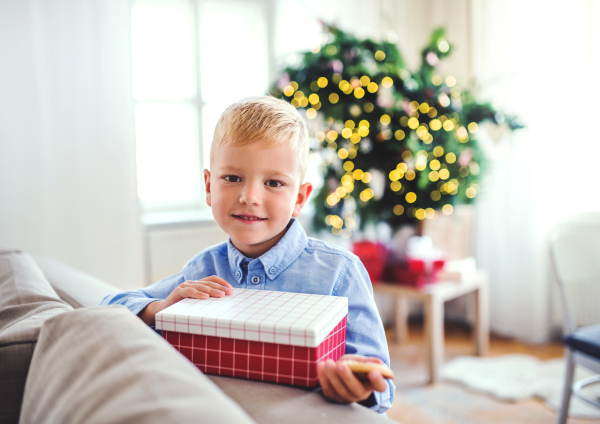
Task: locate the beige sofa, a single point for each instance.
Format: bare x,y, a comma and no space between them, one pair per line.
63,359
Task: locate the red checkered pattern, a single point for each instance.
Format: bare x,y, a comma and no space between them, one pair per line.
257,334
254,360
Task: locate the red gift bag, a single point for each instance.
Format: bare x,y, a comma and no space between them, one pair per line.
373,256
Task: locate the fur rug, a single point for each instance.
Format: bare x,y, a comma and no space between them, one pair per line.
519,377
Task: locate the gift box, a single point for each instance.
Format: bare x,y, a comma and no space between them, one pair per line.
417,273
421,265
258,334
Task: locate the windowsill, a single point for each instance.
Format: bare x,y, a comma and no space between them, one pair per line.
172,219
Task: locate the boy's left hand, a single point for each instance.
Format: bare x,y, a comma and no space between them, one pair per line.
341,385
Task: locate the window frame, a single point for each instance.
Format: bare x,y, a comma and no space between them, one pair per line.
197,210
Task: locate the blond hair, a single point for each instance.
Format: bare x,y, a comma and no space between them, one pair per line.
271,121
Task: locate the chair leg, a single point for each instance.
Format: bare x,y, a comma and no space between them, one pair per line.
563,413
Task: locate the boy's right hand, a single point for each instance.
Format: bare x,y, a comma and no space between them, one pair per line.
201,289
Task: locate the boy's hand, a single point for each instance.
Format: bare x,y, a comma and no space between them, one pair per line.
212,286
341,385
201,289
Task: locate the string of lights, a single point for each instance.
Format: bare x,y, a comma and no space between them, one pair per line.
369,115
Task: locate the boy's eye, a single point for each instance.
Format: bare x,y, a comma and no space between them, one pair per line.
274,183
232,178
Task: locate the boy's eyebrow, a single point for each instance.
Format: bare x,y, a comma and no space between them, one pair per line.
267,171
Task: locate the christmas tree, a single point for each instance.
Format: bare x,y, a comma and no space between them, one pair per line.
374,120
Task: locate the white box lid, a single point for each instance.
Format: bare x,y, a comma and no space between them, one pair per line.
297,319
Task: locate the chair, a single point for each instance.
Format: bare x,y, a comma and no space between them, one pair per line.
575,254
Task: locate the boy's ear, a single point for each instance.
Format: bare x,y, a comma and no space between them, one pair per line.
207,185
303,194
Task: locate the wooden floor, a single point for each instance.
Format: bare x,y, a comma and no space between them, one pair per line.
446,403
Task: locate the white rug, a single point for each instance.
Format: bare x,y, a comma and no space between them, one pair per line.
519,377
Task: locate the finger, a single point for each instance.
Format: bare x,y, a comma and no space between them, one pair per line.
190,293
218,280
377,381
205,283
325,384
211,291
331,393
356,388
337,384
360,358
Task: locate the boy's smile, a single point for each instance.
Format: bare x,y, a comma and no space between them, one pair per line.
253,191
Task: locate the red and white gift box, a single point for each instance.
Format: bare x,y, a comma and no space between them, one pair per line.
258,334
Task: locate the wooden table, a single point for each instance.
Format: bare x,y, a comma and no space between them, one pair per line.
433,296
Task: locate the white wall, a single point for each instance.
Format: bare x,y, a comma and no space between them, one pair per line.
67,146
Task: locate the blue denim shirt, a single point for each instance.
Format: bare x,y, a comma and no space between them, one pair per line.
296,264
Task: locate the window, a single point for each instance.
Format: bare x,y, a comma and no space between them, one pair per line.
191,58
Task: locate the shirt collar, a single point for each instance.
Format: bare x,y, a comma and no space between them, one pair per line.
276,259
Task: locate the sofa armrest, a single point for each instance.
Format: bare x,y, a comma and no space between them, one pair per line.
104,365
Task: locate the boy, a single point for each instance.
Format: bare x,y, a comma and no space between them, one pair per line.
258,160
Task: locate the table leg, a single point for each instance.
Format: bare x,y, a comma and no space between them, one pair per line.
434,333
401,316
482,325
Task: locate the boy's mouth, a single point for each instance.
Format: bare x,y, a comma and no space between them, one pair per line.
250,218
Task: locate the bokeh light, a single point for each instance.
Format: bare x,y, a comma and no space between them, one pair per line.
398,210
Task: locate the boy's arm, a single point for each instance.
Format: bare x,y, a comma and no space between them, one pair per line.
137,300
147,302
364,333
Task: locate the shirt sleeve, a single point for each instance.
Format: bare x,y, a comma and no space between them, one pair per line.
137,300
364,332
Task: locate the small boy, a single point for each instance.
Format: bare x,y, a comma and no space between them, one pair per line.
258,160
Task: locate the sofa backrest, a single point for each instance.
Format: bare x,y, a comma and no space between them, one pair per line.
75,287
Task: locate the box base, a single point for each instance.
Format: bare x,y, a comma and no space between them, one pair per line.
254,360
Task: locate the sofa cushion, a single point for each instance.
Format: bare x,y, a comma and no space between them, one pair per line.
104,365
75,287
27,300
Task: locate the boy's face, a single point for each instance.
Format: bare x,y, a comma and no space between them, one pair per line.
253,192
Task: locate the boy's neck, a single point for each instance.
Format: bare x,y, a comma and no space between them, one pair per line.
257,250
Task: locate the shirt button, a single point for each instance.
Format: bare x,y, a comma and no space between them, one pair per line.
255,280
238,274
272,270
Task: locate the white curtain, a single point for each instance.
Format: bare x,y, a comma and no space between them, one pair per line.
541,62
538,60
67,144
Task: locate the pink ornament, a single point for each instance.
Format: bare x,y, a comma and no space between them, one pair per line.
406,106
385,101
465,157
432,58
283,81
337,66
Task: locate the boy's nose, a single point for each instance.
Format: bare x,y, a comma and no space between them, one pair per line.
250,194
